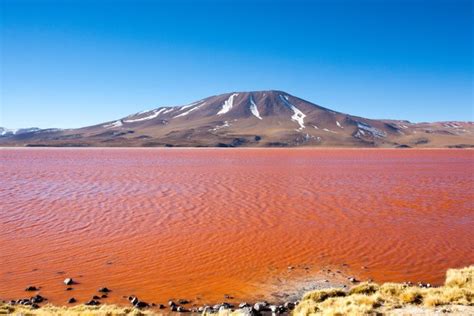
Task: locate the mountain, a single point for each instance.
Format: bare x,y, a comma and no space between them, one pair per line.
9,132
251,119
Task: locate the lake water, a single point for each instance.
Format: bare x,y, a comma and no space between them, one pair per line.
201,223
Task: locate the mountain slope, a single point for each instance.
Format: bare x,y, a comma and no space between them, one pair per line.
259,118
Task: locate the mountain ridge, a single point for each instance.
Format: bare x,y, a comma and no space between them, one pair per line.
269,118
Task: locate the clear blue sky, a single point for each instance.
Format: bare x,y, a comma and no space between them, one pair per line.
74,63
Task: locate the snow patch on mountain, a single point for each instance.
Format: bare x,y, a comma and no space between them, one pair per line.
167,110
48,130
196,106
153,114
254,109
17,131
298,116
114,124
7,131
372,130
227,106
218,127
184,107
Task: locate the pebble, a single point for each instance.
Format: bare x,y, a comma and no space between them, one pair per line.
181,309
24,301
140,304
261,306
72,300
37,299
92,303
68,281
104,290
248,311
289,305
222,309
424,285
31,288
134,300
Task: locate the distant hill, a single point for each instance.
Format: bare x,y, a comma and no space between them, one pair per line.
249,119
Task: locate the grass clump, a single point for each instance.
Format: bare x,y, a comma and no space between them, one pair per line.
79,310
357,304
364,288
462,278
321,295
371,298
411,295
388,290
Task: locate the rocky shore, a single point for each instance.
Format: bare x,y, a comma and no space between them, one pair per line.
282,294
38,304
456,296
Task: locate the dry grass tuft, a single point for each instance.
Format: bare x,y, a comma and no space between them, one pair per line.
321,295
79,310
463,278
370,298
388,290
337,305
411,295
364,288
306,307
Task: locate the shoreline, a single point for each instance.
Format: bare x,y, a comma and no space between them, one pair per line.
455,296
288,286
276,291
234,148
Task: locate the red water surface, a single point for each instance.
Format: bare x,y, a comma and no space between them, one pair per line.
201,223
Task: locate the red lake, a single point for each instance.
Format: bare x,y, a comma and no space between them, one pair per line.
202,223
